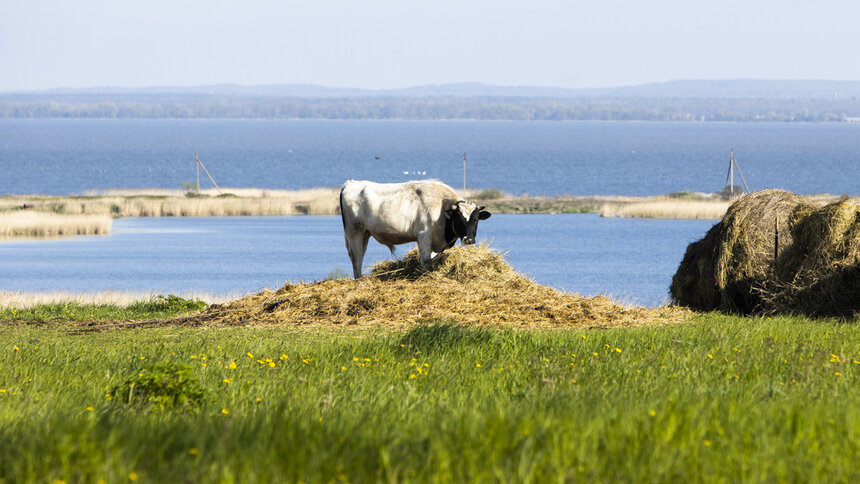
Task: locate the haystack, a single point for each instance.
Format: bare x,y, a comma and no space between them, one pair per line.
774,252
820,273
465,285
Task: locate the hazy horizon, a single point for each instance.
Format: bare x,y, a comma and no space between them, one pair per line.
382,44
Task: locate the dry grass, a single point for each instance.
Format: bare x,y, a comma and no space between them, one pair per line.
819,273
473,286
41,224
774,251
667,208
22,300
173,203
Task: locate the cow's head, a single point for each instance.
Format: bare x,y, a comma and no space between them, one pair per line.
462,221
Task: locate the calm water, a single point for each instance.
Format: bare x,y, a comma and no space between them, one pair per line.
582,158
632,260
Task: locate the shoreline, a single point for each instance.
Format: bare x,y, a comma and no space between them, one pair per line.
43,216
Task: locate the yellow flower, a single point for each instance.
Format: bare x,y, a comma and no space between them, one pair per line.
412,376
272,364
710,356
193,451
618,350
837,373
228,380
132,476
225,411
250,355
89,409
652,413
477,365
16,348
232,365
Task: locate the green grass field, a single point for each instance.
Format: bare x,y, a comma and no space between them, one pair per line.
717,398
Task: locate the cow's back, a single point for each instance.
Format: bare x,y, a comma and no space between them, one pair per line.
394,208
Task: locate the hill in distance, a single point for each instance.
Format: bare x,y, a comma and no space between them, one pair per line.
721,89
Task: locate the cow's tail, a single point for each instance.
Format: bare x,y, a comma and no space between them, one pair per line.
342,214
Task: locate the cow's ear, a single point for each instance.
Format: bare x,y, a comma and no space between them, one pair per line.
483,214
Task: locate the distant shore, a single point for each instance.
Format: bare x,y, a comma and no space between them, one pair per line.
92,213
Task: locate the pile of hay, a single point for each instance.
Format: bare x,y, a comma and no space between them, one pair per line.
773,252
467,285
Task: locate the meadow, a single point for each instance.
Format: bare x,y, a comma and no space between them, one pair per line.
713,398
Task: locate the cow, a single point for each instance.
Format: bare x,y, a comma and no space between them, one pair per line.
426,211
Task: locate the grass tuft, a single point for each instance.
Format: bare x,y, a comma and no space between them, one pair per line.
165,385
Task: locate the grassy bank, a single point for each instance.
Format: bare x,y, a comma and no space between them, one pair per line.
54,308
715,399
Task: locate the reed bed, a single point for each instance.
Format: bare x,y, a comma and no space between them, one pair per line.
41,224
676,209
174,203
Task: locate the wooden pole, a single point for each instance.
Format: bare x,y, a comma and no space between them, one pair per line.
197,165
775,241
201,165
732,174
742,179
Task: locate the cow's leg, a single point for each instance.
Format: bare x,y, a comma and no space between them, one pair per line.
425,247
356,245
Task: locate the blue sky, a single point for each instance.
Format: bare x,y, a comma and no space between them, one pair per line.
391,44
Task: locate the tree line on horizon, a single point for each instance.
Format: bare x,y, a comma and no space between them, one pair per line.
434,108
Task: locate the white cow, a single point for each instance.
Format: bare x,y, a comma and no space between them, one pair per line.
427,211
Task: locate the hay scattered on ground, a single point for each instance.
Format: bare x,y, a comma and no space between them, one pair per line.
466,285
774,252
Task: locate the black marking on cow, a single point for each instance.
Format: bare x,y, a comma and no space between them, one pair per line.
456,225
342,216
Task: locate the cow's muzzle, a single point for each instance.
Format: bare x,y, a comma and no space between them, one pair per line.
468,240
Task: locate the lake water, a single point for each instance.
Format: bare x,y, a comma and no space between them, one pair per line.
582,158
631,260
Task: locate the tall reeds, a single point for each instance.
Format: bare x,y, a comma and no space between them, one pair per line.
173,203
678,209
42,224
